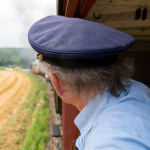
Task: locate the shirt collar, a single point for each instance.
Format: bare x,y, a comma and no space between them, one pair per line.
87,117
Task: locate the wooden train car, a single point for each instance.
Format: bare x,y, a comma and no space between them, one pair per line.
35,67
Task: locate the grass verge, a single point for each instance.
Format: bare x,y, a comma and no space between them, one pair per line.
28,127
37,133
2,68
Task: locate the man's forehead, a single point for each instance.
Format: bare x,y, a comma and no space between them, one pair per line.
70,42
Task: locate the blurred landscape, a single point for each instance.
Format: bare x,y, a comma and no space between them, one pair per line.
17,57
24,101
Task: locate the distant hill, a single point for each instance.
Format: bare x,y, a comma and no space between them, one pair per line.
21,57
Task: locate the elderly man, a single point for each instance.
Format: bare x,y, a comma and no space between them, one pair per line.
81,58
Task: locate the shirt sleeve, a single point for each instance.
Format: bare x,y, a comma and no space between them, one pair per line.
126,131
115,142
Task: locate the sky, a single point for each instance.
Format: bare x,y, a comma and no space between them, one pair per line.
17,16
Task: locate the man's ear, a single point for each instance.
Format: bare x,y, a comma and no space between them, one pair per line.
58,84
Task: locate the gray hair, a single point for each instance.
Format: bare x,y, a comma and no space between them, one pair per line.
111,77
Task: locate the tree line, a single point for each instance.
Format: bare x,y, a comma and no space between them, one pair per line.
22,57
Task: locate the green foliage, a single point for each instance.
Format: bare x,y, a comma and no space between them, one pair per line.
37,132
9,56
17,57
1,142
2,68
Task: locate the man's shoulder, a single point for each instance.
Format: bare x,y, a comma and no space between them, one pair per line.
119,130
136,85
125,123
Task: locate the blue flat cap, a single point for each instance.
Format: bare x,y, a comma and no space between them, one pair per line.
75,43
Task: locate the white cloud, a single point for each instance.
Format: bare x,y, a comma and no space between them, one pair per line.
18,15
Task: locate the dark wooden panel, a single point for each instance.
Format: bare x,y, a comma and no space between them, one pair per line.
70,131
141,61
71,8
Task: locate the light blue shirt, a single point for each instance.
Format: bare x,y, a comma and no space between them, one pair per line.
116,123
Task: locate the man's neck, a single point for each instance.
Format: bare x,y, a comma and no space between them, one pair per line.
81,101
